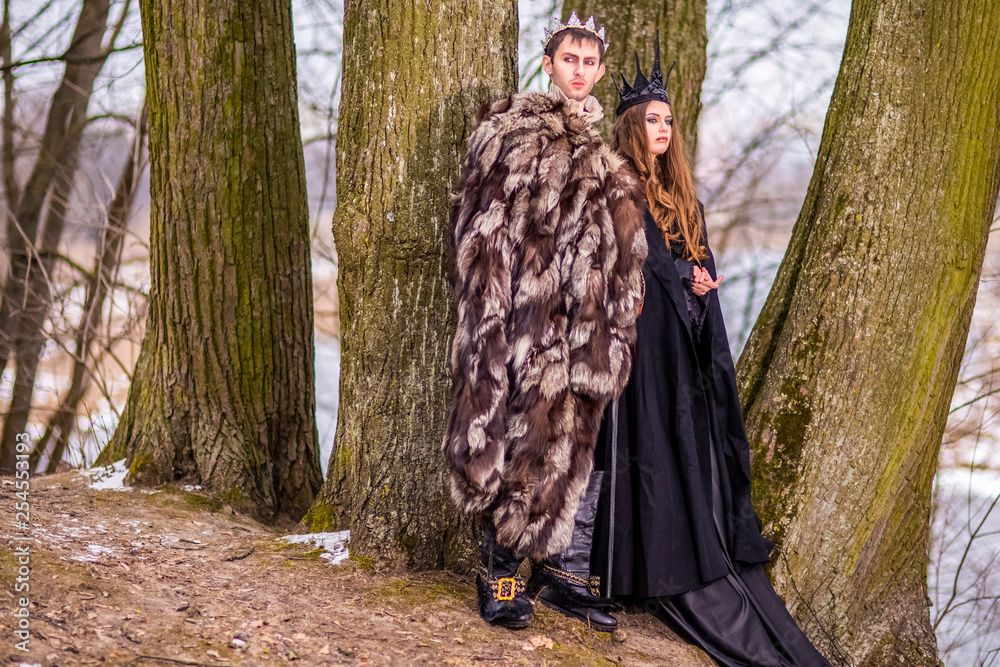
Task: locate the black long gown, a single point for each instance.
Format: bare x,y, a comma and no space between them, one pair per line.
686,537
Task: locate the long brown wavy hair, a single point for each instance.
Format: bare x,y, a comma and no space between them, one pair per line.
666,178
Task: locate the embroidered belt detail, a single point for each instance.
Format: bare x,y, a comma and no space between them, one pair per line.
594,586
592,583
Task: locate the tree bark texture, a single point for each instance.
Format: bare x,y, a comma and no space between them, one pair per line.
223,392
849,372
26,288
414,75
7,155
631,27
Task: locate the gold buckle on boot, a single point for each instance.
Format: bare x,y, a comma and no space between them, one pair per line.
506,588
501,588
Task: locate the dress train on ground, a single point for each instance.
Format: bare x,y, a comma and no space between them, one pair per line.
738,620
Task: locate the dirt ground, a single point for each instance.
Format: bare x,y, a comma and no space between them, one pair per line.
174,577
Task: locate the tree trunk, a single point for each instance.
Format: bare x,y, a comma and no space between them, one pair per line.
414,74
223,392
56,163
849,372
631,27
8,156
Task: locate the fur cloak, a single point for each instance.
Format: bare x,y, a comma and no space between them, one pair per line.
548,249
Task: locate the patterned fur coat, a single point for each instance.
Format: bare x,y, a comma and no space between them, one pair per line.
549,244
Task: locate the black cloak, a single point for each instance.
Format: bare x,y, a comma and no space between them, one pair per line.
681,399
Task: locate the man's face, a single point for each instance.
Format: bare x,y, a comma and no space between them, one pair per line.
575,67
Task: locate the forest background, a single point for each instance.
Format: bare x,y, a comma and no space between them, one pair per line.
771,69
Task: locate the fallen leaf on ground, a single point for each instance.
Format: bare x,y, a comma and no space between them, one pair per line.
537,641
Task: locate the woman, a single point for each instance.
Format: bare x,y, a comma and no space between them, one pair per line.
686,538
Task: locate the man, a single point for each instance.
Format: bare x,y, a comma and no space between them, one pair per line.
548,249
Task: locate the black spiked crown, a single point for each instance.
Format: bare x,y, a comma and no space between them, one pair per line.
642,89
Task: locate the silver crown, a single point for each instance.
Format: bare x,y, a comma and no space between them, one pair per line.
574,22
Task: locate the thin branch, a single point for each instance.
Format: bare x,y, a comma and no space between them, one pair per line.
762,138
759,54
60,426
948,608
110,48
72,60
974,400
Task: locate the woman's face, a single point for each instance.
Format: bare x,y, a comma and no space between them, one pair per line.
659,126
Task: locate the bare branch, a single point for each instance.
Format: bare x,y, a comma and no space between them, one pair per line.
110,48
61,425
762,139
73,60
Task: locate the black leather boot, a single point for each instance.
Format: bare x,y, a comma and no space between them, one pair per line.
501,595
563,582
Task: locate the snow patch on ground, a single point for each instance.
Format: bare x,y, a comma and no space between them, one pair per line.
110,477
334,543
94,553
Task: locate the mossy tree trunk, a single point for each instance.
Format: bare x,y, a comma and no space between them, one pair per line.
414,75
223,390
849,372
631,27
